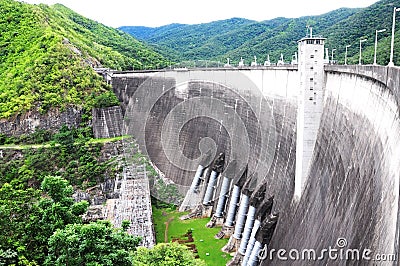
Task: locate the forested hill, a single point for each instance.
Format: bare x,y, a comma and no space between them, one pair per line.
47,55
236,38
182,41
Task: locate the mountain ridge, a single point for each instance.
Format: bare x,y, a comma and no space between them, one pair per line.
275,36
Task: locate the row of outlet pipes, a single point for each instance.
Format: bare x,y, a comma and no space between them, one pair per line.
241,208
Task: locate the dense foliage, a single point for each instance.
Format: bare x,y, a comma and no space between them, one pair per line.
29,216
181,41
47,55
91,244
166,254
41,224
362,25
70,156
113,48
36,191
236,38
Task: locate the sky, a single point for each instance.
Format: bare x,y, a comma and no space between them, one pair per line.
153,13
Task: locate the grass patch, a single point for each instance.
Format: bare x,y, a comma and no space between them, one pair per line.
203,237
27,146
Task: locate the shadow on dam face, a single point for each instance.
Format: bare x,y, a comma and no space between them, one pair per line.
352,190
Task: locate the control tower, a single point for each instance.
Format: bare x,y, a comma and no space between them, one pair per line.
310,104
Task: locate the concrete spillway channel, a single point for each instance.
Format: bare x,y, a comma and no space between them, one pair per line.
133,203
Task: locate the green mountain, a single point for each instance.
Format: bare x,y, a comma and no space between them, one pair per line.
47,55
182,41
363,24
236,38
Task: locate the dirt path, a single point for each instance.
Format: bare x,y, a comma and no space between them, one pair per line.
166,229
48,145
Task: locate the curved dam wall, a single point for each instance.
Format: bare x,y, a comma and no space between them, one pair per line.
352,186
178,116
352,189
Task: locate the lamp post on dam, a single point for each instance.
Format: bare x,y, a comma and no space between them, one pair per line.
345,55
360,58
376,43
332,61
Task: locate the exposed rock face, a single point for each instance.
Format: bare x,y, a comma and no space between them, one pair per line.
96,195
107,122
99,194
31,121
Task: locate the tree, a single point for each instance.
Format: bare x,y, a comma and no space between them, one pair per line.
57,209
28,217
17,211
166,254
65,137
125,224
91,244
58,189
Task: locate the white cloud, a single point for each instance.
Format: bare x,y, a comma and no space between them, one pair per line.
160,12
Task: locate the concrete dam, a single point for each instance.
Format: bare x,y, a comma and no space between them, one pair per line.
297,164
